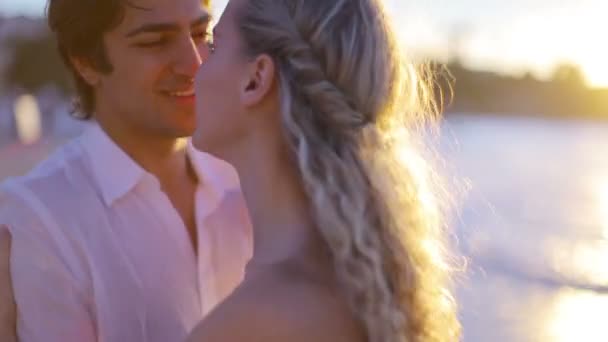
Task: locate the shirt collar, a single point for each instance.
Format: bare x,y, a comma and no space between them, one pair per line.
213,172
115,172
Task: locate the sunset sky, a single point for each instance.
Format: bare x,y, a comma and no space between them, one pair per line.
512,36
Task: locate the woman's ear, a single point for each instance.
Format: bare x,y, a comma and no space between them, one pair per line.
258,81
86,71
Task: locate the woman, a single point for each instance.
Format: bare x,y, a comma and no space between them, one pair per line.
310,101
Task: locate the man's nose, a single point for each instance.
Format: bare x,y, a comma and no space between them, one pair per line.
187,58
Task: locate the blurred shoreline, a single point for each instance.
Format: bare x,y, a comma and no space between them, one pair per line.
565,95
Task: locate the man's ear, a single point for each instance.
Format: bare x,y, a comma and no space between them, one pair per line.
259,80
86,71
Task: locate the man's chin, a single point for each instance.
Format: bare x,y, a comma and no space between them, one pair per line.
184,132
176,129
182,122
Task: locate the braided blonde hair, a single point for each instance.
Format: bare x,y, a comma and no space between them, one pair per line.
350,108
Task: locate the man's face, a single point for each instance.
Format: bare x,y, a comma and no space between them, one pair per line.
155,53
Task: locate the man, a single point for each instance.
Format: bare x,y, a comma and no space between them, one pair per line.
126,233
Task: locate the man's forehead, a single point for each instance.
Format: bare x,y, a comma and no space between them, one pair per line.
163,11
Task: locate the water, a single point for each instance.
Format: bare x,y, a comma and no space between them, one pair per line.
533,226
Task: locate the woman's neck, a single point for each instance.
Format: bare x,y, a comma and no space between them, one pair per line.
279,208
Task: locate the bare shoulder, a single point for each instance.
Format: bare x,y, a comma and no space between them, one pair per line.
275,305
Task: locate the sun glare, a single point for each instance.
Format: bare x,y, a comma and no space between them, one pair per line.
565,34
595,67
590,49
578,316
538,40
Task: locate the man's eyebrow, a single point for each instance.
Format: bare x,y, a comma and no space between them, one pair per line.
166,27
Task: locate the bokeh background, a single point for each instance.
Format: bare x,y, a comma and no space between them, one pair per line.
526,131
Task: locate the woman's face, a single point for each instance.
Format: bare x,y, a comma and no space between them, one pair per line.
220,112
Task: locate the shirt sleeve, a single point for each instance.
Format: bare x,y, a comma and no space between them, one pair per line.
52,304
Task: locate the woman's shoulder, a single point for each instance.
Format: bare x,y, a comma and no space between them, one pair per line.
279,304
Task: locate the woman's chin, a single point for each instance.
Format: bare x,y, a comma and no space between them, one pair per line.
203,145
198,141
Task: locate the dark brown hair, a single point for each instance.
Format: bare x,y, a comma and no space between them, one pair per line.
79,26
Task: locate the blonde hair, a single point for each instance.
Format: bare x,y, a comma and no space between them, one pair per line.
350,110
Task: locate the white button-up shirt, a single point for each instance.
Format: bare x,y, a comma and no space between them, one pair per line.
100,254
